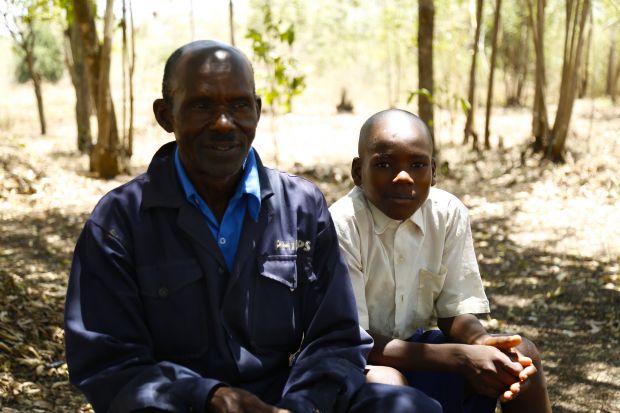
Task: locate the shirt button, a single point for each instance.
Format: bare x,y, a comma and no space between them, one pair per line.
401,258
222,241
162,292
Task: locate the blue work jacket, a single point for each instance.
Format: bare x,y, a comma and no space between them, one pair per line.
153,317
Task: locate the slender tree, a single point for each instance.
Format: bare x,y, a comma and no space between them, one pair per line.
129,63
107,159
19,20
426,18
471,90
577,12
540,122
231,21
74,58
487,121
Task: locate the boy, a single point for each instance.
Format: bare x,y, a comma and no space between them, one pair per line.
410,253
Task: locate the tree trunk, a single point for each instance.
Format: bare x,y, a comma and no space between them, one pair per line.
426,17
36,82
132,66
576,15
523,59
611,65
105,158
540,122
471,92
487,121
231,22
584,71
75,63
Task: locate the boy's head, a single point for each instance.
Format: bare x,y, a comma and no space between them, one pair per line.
395,166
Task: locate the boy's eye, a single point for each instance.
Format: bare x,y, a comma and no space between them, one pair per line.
383,164
419,165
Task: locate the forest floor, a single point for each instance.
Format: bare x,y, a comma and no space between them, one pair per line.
547,238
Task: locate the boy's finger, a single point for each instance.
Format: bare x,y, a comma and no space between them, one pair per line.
506,396
527,372
503,342
524,361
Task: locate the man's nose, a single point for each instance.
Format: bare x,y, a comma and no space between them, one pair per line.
403,177
223,121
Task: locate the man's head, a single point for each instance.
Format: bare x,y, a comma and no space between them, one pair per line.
395,166
209,103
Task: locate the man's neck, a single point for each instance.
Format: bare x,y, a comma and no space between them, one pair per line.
216,192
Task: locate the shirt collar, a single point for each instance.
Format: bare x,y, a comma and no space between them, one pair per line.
381,222
249,184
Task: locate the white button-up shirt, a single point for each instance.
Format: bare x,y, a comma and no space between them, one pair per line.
403,271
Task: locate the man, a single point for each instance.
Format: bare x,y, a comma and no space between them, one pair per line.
211,283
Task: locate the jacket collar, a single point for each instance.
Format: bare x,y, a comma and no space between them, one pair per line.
163,189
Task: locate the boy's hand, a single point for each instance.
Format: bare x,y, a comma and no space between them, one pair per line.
508,344
490,371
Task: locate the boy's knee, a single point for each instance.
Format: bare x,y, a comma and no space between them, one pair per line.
385,375
529,349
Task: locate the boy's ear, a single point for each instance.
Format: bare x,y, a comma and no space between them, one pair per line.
356,171
163,113
434,169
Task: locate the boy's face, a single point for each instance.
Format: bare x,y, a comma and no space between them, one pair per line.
395,168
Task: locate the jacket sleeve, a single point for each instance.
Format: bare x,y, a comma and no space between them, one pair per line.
329,367
108,346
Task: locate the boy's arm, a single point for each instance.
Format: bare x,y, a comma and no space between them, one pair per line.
487,369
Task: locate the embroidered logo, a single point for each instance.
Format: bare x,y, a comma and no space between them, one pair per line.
293,245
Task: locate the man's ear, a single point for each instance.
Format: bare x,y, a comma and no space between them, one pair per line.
259,105
356,171
163,113
434,169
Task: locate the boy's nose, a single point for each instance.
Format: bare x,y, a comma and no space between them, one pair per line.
403,177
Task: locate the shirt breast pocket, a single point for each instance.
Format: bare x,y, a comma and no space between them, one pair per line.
173,297
429,288
277,304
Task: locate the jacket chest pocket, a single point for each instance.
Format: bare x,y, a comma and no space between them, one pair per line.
174,302
277,304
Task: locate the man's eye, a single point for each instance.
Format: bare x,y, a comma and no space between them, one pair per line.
383,164
419,165
241,104
201,105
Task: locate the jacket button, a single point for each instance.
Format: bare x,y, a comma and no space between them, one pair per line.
220,270
163,292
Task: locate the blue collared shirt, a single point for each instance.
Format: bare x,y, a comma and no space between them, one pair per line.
246,197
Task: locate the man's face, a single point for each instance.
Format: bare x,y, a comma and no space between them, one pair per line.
395,168
214,112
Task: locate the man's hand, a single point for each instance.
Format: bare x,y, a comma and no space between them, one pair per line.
230,399
490,371
508,344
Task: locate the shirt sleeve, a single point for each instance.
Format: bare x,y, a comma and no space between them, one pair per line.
329,367
350,248
462,291
108,346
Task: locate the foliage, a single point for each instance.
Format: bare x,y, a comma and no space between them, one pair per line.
270,46
48,56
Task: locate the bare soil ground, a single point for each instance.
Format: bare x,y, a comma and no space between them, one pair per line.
547,238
